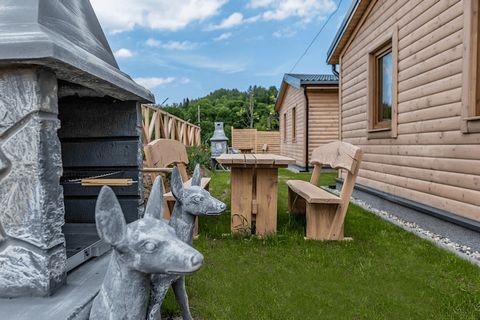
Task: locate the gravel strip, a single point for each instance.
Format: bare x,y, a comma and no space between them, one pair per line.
463,251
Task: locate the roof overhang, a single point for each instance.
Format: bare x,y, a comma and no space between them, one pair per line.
349,24
65,36
289,80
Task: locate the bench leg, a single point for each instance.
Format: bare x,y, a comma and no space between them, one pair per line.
168,209
296,204
319,221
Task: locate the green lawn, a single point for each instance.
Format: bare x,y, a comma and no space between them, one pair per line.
385,273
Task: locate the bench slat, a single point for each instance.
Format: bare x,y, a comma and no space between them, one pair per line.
311,193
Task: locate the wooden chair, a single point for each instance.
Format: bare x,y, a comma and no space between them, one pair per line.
325,211
161,155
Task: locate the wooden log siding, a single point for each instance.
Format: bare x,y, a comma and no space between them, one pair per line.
431,161
158,124
254,140
323,118
289,147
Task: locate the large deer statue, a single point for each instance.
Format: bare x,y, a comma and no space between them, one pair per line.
190,202
142,248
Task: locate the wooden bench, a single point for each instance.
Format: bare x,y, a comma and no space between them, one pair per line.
161,155
325,211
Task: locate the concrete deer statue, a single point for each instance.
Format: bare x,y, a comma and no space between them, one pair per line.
140,249
190,202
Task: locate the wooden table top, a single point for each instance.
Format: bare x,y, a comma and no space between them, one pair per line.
253,159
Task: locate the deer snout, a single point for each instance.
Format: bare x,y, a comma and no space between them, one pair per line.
221,206
196,260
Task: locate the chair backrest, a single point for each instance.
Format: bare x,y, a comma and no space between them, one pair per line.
163,153
338,155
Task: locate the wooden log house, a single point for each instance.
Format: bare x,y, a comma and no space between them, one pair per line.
409,96
308,111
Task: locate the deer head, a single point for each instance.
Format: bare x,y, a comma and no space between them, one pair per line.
194,199
148,245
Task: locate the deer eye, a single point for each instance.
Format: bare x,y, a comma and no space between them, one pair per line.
198,198
149,246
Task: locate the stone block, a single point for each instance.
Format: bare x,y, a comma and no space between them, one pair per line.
30,272
23,91
32,245
31,197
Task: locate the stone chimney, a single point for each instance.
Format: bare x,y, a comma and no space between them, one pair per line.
52,50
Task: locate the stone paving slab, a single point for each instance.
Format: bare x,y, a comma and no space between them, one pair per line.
70,302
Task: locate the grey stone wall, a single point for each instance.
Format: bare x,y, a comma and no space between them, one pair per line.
32,246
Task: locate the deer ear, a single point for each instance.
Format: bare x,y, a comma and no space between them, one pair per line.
111,225
155,201
197,176
177,184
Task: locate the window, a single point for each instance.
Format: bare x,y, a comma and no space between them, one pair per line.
471,69
382,87
294,123
285,126
382,96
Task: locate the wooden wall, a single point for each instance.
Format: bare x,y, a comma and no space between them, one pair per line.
430,161
100,136
322,118
271,138
253,139
289,147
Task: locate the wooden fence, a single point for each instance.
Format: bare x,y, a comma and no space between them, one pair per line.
251,140
158,124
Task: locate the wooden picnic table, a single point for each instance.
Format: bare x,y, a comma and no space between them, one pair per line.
254,183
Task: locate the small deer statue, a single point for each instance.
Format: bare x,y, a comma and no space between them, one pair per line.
190,202
142,248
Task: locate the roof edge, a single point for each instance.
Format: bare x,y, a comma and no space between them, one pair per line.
336,47
297,83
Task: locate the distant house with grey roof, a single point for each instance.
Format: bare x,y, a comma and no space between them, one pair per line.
307,105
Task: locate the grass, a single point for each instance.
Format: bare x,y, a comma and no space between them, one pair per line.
385,273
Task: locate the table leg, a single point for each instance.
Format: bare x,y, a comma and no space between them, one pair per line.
242,185
266,194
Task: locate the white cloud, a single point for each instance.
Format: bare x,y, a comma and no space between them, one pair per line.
123,53
154,82
223,36
284,9
259,3
124,15
287,32
203,62
233,20
171,45
151,42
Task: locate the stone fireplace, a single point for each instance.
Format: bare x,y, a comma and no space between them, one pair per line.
66,112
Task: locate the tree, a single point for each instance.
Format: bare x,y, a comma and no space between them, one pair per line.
251,109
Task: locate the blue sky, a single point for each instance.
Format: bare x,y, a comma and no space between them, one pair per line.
188,48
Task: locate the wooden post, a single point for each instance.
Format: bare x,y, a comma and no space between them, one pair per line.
266,196
316,174
242,188
157,125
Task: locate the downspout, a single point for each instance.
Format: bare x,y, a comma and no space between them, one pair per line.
307,125
334,70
